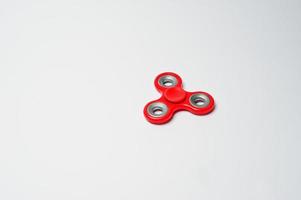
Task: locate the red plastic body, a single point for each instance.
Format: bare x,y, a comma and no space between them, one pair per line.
176,99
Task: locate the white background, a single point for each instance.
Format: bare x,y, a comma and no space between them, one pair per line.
75,76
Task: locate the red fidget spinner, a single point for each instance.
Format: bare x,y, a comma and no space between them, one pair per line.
174,98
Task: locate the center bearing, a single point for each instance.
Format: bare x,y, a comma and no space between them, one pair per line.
175,95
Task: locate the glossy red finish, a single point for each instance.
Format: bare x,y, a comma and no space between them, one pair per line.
176,99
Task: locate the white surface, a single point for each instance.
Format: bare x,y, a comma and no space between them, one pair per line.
74,78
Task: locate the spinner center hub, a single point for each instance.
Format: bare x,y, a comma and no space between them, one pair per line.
175,95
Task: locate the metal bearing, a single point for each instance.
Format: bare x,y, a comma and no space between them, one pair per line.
168,81
199,100
157,109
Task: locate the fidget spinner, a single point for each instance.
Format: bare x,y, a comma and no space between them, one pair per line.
174,98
